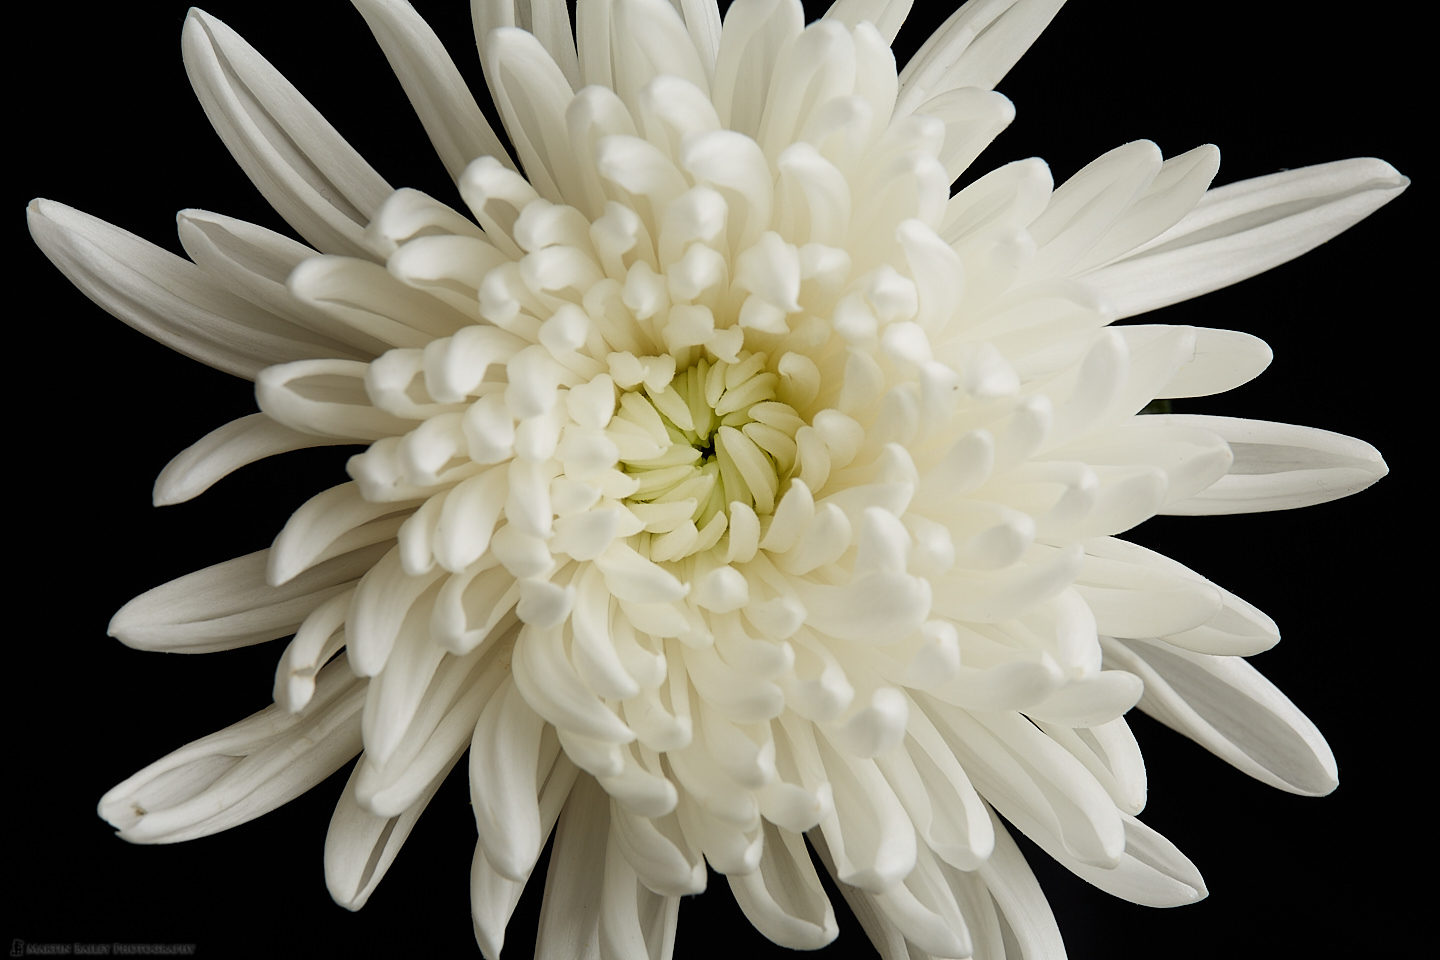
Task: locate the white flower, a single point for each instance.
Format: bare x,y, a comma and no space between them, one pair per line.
730,468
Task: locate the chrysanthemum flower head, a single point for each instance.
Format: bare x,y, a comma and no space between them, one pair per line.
732,492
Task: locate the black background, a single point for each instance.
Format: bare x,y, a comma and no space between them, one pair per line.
102,118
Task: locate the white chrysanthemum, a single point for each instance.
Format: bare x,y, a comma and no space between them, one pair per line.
729,483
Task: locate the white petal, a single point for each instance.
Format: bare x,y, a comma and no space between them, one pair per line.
1226,706
999,205
1135,592
319,638
432,731
886,15
937,795
360,845
1223,360
751,40
310,175
1111,753
493,898
574,884
223,451
1022,905
1084,209
532,94
383,599
504,757
1178,186
649,40
548,20
364,296
398,700
1238,630
335,521
665,858
326,398
635,922
449,268
243,771
164,296
408,213
869,834
975,47
1034,783
783,899
231,605
451,117
702,20
973,119
1152,872
492,895
1280,466
1090,700
255,262
1245,228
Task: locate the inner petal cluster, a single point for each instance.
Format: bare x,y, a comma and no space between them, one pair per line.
713,436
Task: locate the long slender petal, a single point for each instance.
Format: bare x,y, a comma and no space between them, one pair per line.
231,605
224,450
452,118
243,771
1226,706
310,175
360,846
1280,466
1246,228
165,297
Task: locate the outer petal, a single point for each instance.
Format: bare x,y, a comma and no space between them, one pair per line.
886,15
360,846
164,296
310,175
783,898
1246,228
243,771
1020,902
256,263
974,48
548,20
574,884
451,117
1280,466
1226,706
231,605
223,451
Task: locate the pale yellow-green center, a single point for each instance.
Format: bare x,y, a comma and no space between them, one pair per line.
721,436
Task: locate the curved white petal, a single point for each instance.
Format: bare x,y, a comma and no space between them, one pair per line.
224,450
1226,706
547,20
886,15
574,884
255,262
975,47
243,771
1246,228
310,175
1020,902
360,845
232,605
783,898
1280,466
165,297
457,128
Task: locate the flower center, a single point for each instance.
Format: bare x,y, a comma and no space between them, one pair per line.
714,435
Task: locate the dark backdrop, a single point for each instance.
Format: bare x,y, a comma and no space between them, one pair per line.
102,118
